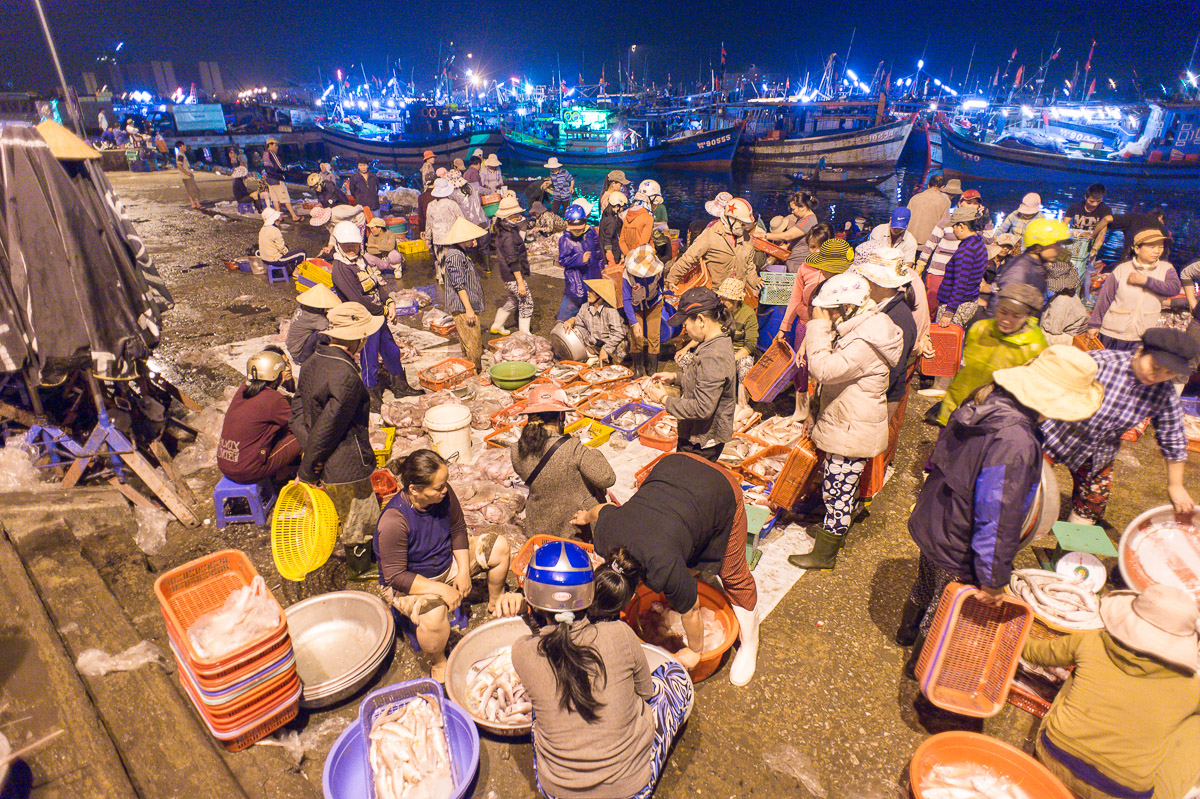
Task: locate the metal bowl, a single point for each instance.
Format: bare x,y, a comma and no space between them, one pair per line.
566,344
340,640
1043,511
483,642
1162,546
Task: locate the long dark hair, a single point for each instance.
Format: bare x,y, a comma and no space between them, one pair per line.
574,665
535,435
419,468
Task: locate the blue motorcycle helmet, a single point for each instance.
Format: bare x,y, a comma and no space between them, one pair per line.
560,578
575,214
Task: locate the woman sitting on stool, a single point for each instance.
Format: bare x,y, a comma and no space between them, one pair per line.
271,246
255,441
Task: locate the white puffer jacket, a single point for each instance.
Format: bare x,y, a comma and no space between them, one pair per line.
852,418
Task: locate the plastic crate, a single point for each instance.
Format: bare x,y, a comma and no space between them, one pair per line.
601,432
494,344
799,476
242,675
640,476
875,473
523,392
578,368
772,372
751,474
649,439
385,700
585,407
626,374
693,278
512,415
384,484
433,290
972,650
490,440
1135,432
314,270
616,276
383,454
776,288
429,384
442,329
947,347
520,561
1087,343
630,433
412,247
189,591
770,248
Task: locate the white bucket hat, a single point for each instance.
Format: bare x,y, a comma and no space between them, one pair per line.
442,188
716,206
552,163
884,267
270,216
848,288
1159,622
492,161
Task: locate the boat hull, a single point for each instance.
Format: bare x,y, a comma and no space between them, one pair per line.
968,158
537,154
403,151
712,149
874,147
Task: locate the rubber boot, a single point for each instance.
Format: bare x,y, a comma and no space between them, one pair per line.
910,667
401,388
639,364
910,624
652,363
498,328
523,323
742,668
1075,518
824,552
359,563
375,393
801,411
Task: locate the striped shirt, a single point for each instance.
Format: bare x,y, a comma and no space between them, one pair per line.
460,275
1093,442
560,184
963,273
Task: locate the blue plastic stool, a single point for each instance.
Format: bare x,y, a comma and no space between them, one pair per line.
246,208
259,496
276,273
458,620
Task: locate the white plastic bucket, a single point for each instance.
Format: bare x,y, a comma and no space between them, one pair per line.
449,427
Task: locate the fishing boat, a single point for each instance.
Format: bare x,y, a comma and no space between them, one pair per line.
705,148
580,153
841,177
1167,154
837,134
401,136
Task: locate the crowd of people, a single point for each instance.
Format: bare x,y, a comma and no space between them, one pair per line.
1039,376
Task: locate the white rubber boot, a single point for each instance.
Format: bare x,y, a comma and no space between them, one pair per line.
498,323
801,412
523,323
746,659
1075,518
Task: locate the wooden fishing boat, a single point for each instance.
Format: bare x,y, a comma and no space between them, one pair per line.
396,148
581,153
873,147
708,148
841,177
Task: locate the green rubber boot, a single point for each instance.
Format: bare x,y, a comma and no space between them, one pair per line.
359,562
824,552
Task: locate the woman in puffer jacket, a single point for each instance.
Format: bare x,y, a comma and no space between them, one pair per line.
851,347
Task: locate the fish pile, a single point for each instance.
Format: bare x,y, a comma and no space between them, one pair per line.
507,437
495,693
600,407
410,756
737,450
666,427
586,434
607,374
514,416
525,347
247,614
408,352
782,430
632,419
1063,601
744,416
410,411
578,393
768,468
447,371
969,781
484,502
378,438
410,296
490,466
636,390
563,373
435,316
663,627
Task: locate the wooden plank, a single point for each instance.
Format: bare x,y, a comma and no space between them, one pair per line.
17,415
142,468
168,466
132,494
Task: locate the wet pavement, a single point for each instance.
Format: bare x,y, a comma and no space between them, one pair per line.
828,715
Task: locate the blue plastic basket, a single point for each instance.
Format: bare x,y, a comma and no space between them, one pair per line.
385,700
630,433
1191,405
433,291
407,309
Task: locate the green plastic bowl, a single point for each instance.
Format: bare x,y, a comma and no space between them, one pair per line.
511,375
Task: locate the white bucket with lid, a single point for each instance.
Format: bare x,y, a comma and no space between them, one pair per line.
449,428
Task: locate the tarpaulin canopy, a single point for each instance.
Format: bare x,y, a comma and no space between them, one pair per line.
77,287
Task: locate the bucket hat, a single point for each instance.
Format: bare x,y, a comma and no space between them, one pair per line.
270,216
849,288
834,257
884,267
641,262
1060,383
509,206
552,163
350,321
716,206
954,186
731,289
320,216
1159,622
1031,203
492,161
442,188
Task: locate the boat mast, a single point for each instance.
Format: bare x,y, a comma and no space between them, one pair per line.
967,77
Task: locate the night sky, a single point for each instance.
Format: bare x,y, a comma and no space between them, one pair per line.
273,43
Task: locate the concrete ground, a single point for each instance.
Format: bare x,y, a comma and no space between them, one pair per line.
828,715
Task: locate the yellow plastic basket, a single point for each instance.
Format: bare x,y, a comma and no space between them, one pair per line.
304,530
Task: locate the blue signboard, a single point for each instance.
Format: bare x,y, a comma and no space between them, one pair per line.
202,116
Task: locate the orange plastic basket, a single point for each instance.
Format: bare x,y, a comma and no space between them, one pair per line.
384,484
971,652
616,274
254,661
773,371
189,591
770,248
875,472
520,561
649,439
490,440
947,351
799,477
585,407
494,344
693,278
512,415
957,748
429,384
1087,343
708,597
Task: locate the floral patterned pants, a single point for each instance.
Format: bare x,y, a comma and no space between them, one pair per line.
839,489
1090,491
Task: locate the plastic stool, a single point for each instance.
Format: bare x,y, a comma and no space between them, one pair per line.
276,273
246,208
458,621
259,496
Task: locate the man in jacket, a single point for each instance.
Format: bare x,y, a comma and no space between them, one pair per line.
982,477
309,322
580,258
329,194
610,228
364,187
929,206
725,247
277,193
271,246
332,425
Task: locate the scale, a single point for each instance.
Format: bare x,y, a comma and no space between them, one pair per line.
1071,537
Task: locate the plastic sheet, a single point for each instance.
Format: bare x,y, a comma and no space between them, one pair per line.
248,613
314,741
151,533
17,472
97,662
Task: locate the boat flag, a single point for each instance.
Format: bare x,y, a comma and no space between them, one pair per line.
996,80
1088,67
1091,89
562,84
603,82
1020,74
722,53
580,78
787,85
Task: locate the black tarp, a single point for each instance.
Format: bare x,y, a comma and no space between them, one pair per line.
76,284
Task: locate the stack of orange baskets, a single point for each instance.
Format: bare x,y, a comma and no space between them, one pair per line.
244,695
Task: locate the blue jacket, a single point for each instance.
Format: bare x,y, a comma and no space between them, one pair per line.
640,294
983,474
570,258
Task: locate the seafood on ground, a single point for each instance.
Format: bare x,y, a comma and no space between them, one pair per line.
782,430
491,466
737,450
578,393
663,627
247,614
449,370
1060,600
563,372
756,495
525,347
409,441
436,316
768,468
409,754
969,781
495,693
607,374
513,417
507,437
666,427
410,296
600,407
632,418
636,390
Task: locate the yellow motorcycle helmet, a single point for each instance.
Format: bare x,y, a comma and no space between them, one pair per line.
1045,232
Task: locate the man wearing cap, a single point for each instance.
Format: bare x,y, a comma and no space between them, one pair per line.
364,186
599,323
944,241
895,234
306,325
1136,386
427,168
928,207
440,216
271,246
1029,210
1131,299
490,176
982,476
381,251
332,423
725,247
273,173
1126,724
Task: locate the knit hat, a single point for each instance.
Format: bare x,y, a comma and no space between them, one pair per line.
834,257
731,289
319,216
350,321
1031,203
1060,383
1171,349
605,288
1023,294
641,262
320,297
1159,622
